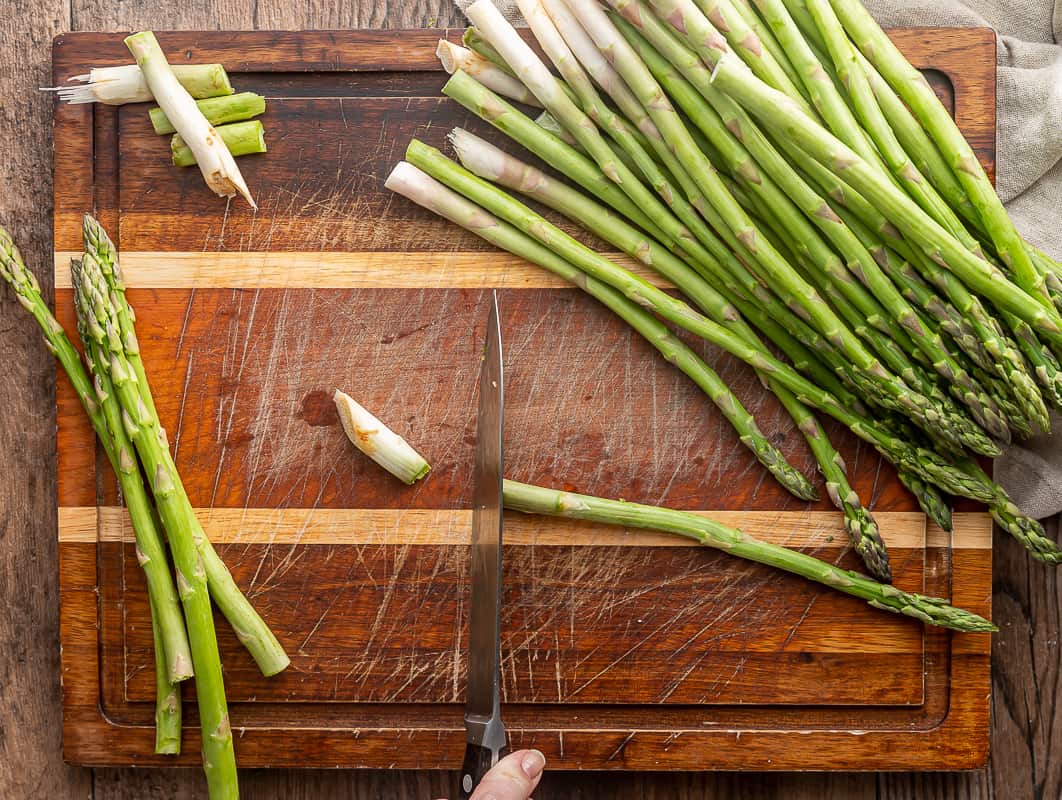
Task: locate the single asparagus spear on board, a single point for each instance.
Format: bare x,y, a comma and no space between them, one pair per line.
931,610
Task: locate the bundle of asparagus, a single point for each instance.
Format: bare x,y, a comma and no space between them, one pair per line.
798,181
119,404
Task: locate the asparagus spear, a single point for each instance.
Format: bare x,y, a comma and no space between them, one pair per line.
241,139
217,110
428,192
253,633
96,401
493,164
167,698
475,42
454,57
99,320
931,502
913,88
933,611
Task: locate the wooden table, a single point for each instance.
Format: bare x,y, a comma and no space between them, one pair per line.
1026,675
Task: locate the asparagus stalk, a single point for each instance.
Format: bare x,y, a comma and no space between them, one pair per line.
930,610
97,402
100,323
379,442
167,697
492,164
744,41
472,39
215,161
240,138
424,190
767,39
454,57
217,110
931,502
101,256
913,88
117,86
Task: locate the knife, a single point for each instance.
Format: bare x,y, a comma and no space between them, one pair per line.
485,734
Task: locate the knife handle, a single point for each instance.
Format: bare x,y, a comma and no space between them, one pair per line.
478,761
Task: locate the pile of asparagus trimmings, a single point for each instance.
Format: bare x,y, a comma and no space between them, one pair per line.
119,405
784,166
193,99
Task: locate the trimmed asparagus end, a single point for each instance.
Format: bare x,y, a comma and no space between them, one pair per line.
116,86
241,139
379,442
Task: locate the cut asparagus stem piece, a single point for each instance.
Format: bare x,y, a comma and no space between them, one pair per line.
930,610
913,88
117,86
95,400
454,57
241,139
250,629
379,442
167,698
430,193
493,164
99,320
215,161
217,110
480,46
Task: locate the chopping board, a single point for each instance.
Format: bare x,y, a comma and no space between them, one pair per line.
621,649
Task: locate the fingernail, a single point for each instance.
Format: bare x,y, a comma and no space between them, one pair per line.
533,763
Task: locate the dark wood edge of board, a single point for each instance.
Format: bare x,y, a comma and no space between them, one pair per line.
953,736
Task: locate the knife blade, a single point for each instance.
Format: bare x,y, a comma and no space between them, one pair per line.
485,734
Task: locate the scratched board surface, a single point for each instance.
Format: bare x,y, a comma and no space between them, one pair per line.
620,648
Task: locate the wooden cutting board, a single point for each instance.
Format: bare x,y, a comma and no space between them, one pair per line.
622,649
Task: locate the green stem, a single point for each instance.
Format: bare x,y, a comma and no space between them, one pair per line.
933,611
241,138
217,110
167,699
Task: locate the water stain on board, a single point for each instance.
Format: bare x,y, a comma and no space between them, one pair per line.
318,409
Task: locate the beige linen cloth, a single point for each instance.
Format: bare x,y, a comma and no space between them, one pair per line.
1028,169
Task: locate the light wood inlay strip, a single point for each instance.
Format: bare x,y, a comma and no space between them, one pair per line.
451,527
363,270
